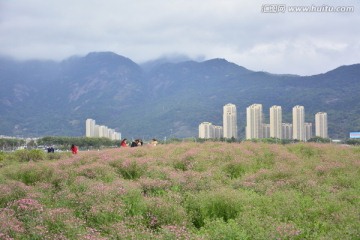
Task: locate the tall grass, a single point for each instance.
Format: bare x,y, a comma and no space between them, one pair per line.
183,191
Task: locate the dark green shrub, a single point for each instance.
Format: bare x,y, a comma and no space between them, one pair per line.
234,170
182,164
212,205
30,155
130,169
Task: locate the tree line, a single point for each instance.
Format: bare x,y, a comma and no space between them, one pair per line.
64,143
7,144
81,142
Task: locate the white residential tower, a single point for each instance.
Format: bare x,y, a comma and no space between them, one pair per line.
254,120
298,114
321,125
230,121
276,122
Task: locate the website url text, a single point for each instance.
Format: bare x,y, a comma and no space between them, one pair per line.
282,8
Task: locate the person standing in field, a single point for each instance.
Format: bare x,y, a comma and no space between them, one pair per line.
74,149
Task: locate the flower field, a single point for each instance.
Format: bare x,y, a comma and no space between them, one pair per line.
211,190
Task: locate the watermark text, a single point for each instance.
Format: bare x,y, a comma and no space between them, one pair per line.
283,8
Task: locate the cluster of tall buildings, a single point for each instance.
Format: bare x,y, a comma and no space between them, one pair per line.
94,130
256,128
227,130
297,130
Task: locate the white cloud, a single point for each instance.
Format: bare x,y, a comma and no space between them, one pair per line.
302,43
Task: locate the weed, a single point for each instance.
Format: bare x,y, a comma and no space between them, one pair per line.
130,169
303,151
31,173
212,205
134,203
234,170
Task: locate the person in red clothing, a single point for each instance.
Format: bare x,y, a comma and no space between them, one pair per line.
74,149
123,143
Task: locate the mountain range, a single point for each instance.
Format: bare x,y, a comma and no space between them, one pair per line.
162,98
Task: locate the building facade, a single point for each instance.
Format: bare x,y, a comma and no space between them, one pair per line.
298,114
218,131
321,125
266,130
254,121
287,131
230,121
94,130
256,128
276,122
308,131
90,127
206,130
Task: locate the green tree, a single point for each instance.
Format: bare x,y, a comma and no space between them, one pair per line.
319,139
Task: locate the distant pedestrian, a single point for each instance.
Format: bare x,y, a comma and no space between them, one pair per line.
74,149
154,142
123,143
50,149
135,143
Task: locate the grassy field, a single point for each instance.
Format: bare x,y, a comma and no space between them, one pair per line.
206,190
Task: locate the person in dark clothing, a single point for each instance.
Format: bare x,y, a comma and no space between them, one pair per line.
50,149
135,143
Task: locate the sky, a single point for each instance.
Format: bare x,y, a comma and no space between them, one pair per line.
261,35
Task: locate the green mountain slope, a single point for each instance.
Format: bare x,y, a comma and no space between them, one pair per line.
166,99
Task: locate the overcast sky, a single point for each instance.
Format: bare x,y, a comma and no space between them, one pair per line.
237,30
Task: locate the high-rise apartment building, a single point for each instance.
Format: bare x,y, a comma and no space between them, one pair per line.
206,130
218,131
308,131
103,131
298,114
117,136
287,131
276,122
230,121
111,133
94,130
266,130
321,125
90,127
254,119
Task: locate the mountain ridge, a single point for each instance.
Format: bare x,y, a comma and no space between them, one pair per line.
168,99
